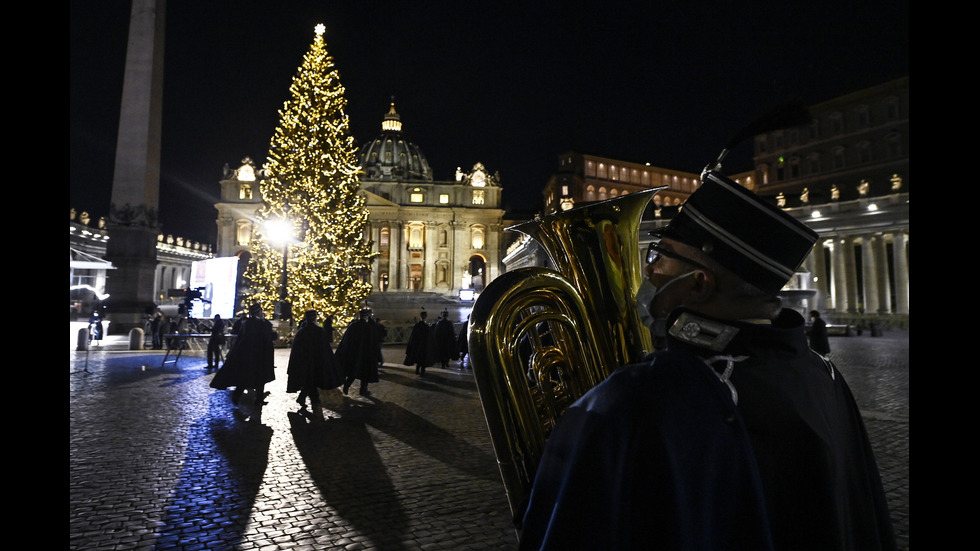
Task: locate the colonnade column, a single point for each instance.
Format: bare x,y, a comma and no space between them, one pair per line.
839,275
885,283
869,273
901,273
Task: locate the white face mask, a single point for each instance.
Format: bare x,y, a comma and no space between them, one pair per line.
644,300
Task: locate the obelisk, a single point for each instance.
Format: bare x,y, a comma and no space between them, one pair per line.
133,211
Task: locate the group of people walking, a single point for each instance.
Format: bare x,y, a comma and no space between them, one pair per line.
436,342
313,364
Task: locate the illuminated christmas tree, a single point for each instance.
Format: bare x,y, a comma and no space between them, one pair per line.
311,211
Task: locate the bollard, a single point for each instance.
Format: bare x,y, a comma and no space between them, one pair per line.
136,338
82,339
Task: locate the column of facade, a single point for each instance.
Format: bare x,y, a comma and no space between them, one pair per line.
462,244
850,270
839,275
901,273
884,281
395,253
869,273
430,256
493,258
376,248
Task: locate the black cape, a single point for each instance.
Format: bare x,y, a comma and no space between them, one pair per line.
251,361
421,349
359,351
311,361
658,456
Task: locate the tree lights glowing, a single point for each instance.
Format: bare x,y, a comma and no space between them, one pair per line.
311,186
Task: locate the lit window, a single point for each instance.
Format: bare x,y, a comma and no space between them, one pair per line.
476,238
444,198
245,192
478,197
416,196
415,236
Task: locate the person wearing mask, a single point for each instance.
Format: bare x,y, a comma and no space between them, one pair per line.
735,436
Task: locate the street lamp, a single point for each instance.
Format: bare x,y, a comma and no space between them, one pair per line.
282,231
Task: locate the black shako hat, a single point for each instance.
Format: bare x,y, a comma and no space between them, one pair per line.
758,241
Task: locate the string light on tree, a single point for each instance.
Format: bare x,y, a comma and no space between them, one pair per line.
311,182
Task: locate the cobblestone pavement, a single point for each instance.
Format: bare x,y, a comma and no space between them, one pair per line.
159,460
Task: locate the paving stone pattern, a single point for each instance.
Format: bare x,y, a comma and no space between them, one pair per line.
159,460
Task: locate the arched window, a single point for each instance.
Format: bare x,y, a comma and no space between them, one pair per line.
243,232
476,237
416,235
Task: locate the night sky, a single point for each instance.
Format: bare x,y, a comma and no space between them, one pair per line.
512,87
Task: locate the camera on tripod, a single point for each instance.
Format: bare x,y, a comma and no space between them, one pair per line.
190,295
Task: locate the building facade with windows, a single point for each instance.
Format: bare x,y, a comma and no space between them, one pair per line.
846,174
585,178
437,237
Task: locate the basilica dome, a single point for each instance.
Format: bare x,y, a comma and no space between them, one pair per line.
392,157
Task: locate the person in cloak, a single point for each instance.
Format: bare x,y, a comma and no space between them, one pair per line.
737,435
446,343
819,340
250,364
358,352
311,364
215,342
420,347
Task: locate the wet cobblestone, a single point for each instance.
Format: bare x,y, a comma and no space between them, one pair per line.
159,460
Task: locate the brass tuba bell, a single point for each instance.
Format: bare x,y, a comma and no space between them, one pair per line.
539,338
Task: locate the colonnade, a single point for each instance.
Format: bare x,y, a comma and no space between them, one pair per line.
862,272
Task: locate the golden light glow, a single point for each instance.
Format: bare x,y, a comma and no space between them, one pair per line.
310,182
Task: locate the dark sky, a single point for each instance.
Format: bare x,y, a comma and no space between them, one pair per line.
511,87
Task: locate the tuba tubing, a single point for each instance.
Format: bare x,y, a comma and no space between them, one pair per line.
540,338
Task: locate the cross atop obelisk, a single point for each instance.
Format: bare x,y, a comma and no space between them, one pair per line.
133,211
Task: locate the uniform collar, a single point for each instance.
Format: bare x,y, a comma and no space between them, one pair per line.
692,330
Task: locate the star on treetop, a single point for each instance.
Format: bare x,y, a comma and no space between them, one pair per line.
320,29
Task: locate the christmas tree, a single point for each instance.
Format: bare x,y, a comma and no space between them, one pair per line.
310,249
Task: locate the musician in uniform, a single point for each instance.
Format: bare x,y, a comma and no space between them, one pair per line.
737,435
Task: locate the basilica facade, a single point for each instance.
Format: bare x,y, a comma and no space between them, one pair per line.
434,238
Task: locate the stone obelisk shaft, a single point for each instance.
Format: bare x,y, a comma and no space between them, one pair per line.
133,211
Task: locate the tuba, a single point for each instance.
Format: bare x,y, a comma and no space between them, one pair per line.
539,338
